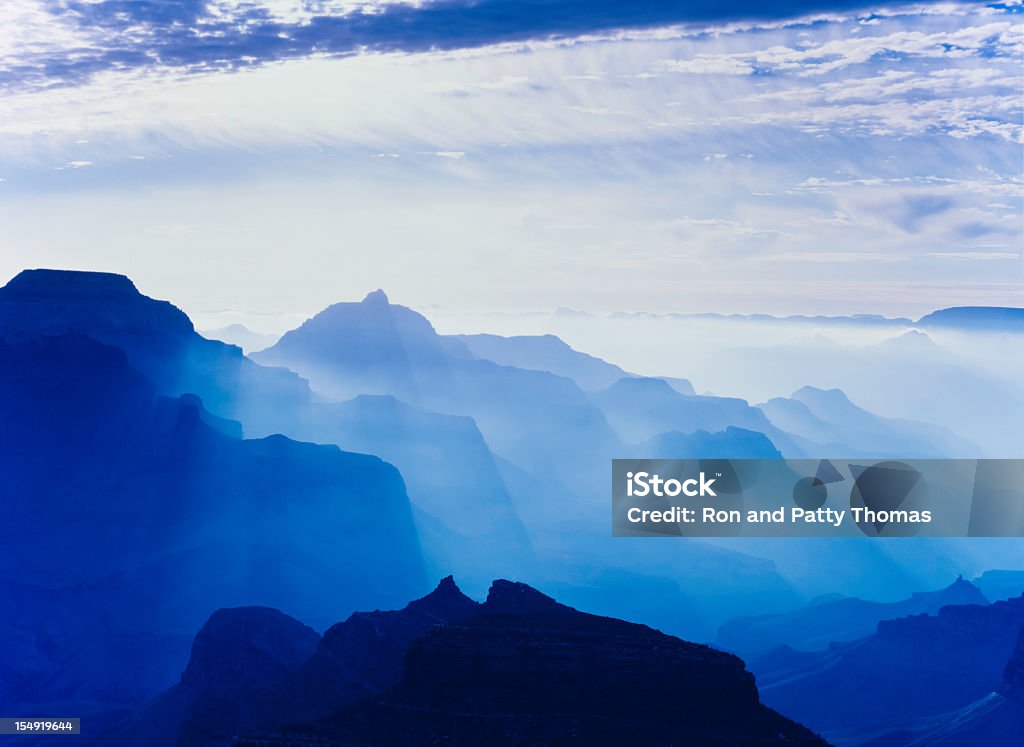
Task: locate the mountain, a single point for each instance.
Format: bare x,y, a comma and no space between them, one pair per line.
550,445
818,625
732,443
466,519
908,377
976,319
828,416
911,669
540,421
240,335
544,353
996,719
371,347
525,669
998,585
254,667
817,319
140,517
159,341
642,408
450,472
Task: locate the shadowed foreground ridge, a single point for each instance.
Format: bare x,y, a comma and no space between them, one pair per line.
522,669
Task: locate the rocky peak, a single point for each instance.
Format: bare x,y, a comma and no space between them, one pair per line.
248,645
376,298
44,283
512,597
446,602
95,303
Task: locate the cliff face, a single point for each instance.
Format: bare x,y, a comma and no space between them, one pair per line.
364,655
816,626
57,301
247,645
533,418
140,517
160,343
253,667
525,670
541,656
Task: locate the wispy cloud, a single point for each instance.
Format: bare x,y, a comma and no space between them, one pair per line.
645,142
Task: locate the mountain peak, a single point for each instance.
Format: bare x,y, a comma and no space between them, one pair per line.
100,304
961,591
248,644
377,297
513,597
44,283
446,601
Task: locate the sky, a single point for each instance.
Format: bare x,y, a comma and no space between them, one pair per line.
265,159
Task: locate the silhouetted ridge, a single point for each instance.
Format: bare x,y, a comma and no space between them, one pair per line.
41,283
254,667
145,515
56,301
160,343
512,597
527,670
820,624
376,347
446,602
248,645
541,353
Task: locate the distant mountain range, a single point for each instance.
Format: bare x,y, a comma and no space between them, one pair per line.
981,318
995,719
375,347
912,670
153,475
543,353
829,417
908,378
242,336
977,318
822,623
519,669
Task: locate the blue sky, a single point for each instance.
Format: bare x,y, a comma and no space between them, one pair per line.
273,157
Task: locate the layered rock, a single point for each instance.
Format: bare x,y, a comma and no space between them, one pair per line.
527,670
139,517
160,343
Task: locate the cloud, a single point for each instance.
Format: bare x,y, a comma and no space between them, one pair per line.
994,39
636,153
708,65
71,41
